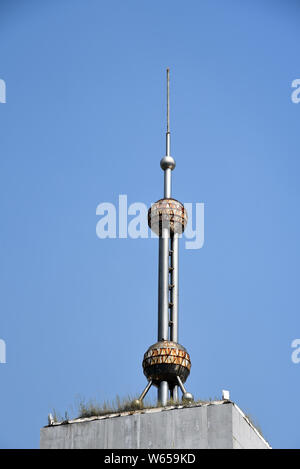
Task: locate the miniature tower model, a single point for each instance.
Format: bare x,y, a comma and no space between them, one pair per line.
167,364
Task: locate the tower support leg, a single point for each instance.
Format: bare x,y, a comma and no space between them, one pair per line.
139,402
143,395
186,396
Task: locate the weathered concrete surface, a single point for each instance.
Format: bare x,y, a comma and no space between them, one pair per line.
220,424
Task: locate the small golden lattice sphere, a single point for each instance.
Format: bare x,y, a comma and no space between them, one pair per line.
167,213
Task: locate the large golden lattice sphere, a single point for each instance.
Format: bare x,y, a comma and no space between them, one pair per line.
166,360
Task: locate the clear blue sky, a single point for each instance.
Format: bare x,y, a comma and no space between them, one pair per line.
84,121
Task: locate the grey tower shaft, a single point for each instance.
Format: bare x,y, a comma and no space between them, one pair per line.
166,363
168,270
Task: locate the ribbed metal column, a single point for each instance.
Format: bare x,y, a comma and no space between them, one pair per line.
163,393
174,288
163,287
174,298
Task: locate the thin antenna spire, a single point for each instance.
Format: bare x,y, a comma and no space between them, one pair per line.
168,135
168,100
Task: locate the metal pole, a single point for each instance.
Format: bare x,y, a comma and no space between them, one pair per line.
186,396
174,288
168,143
181,385
142,396
168,171
163,391
163,282
168,183
163,286
164,241
163,308
168,101
175,394
174,299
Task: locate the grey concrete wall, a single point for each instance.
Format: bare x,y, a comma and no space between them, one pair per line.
214,426
243,434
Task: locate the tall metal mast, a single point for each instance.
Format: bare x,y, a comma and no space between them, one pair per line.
167,364
168,263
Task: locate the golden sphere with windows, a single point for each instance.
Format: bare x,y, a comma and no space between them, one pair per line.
169,214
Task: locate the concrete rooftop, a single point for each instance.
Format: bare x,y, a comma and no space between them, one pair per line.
215,424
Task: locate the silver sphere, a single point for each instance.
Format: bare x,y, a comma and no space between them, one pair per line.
167,162
187,397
